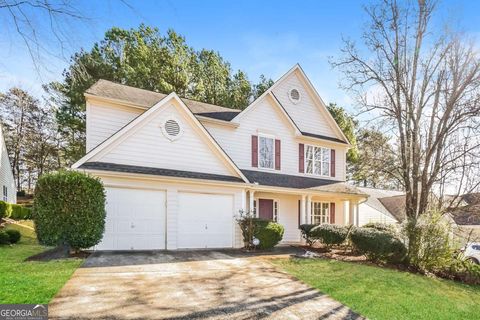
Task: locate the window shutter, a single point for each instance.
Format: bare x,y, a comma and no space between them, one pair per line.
301,158
332,212
277,154
254,151
332,162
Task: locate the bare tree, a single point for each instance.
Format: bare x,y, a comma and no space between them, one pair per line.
424,82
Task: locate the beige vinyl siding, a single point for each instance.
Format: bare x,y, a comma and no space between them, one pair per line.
368,214
306,114
267,119
6,174
147,146
104,120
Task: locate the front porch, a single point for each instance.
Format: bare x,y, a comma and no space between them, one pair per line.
291,208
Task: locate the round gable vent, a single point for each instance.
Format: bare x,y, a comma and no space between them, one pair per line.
171,129
294,95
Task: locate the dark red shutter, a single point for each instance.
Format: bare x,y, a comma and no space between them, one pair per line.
299,211
254,151
332,212
301,158
277,154
332,163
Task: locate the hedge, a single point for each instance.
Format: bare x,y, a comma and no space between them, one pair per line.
5,209
268,232
381,227
69,209
305,229
329,234
17,212
4,237
13,235
378,245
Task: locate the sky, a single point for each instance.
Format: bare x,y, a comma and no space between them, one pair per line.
259,37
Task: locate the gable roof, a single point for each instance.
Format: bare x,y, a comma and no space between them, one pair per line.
317,97
374,200
396,206
146,99
139,119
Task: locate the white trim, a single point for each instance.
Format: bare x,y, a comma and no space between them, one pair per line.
271,137
138,120
164,130
312,211
321,161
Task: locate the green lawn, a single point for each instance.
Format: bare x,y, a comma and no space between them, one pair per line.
30,282
380,293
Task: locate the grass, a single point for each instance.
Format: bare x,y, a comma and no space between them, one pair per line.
30,282
380,293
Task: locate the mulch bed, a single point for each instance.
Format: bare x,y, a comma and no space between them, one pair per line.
56,254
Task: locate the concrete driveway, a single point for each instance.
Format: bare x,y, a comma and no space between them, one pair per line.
188,285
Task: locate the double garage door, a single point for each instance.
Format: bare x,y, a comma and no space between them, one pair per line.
137,220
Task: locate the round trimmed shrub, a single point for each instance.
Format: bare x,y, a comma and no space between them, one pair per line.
306,230
378,245
69,209
381,227
268,232
17,212
13,235
329,234
5,209
4,238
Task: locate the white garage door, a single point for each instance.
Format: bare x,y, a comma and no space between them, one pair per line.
135,220
205,220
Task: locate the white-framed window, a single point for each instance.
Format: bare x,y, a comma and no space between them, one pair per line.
5,193
266,152
317,160
320,212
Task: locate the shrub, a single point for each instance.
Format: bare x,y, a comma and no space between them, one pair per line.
13,235
17,212
461,270
378,245
306,229
246,221
381,227
329,234
26,213
268,232
5,209
69,209
4,238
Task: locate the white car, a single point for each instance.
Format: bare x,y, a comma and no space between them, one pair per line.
472,252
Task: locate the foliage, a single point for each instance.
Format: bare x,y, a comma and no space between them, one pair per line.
329,234
246,222
382,227
431,241
5,209
17,212
461,270
13,235
386,293
146,59
306,229
268,232
348,125
30,137
69,209
4,237
26,213
378,245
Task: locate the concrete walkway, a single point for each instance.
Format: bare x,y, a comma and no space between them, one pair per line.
188,285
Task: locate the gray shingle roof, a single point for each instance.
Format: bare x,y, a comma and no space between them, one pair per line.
106,166
374,199
146,99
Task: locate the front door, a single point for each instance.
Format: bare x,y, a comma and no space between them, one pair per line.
265,209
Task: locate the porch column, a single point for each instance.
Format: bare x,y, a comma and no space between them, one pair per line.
353,212
252,194
309,209
346,212
357,214
303,218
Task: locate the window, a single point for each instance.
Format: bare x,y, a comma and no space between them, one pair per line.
266,152
317,160
5,193
320,212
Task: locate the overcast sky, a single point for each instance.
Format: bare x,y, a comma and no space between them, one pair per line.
259,37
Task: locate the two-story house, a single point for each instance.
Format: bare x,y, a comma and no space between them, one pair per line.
177,172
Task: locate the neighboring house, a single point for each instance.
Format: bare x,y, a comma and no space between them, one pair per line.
466,214
177,172
7,181
384,206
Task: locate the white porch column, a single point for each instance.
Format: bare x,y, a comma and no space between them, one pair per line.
250,207
357,214
353,212
346,212
309,209
303,218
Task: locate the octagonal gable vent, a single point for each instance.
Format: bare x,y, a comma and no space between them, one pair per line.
294,95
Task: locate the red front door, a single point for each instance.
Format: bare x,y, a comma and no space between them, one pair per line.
265,209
